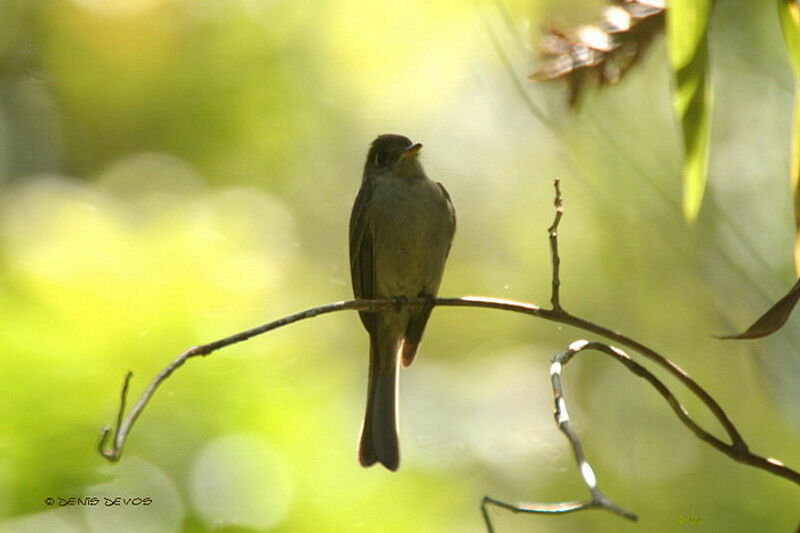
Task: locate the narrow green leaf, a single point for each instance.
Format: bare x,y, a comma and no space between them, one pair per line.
773,319
795,177
789,12
687,23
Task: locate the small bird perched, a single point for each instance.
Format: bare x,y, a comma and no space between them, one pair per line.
401,228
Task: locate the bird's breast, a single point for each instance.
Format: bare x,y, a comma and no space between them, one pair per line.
412,229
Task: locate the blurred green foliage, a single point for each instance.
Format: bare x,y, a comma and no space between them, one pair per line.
173,171
687,28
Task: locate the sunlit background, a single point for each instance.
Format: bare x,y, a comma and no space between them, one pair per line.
173,171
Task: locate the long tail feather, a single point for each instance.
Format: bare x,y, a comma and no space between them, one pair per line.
379,433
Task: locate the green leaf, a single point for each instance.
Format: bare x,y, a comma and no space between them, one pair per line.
773,319
687,24
794,172
789,12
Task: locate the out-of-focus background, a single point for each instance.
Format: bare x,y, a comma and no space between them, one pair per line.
173,171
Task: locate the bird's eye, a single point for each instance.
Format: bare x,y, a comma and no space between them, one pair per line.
380,159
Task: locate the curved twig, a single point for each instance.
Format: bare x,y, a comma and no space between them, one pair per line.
737,450
597,499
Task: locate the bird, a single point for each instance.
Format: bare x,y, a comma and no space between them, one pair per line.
401,229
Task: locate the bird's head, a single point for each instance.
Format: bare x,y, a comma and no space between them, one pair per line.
393,153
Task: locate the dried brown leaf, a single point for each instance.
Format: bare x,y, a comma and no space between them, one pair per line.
772,320
601,53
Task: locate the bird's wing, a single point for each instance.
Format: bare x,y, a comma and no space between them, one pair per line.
451,208
418,321
362,265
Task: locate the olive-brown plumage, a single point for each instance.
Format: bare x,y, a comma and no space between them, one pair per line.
401,228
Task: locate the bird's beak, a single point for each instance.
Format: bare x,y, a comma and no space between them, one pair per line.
412,150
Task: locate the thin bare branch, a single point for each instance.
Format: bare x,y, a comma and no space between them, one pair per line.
597,500
124,426
552,231
546,508
737,449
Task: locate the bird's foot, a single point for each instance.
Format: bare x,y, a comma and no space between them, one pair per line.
399,302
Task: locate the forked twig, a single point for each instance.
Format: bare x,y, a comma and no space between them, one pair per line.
597,499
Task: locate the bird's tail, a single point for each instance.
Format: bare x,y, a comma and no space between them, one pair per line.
379,432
